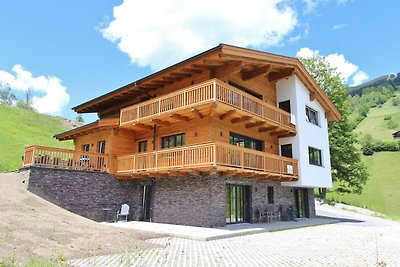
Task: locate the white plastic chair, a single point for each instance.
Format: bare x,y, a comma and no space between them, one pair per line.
124,211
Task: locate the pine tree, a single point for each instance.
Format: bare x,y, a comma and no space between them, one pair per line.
348,172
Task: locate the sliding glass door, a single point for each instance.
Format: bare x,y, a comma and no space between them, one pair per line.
236,203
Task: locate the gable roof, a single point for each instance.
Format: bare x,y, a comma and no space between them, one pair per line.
217,57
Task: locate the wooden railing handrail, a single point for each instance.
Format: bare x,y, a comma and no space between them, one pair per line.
53,157
211,158
214,95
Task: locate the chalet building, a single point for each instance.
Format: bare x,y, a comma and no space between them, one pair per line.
221,137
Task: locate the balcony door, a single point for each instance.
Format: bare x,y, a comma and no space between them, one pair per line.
245,141
301,199
146,202
237,203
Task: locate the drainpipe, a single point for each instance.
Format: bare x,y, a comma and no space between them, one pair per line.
153,182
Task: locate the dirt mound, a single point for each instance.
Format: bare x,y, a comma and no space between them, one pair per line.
31,227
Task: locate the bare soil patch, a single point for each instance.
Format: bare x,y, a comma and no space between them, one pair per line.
31,227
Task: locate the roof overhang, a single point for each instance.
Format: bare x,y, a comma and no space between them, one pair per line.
88,128
221,56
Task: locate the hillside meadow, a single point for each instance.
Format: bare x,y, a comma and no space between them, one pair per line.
20,128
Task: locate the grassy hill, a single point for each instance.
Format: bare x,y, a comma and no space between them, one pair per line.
382,191
20,128
375,123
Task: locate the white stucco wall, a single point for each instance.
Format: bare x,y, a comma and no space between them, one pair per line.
308,134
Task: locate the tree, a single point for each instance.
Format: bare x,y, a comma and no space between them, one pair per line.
27,102
348,172
80,119
6,96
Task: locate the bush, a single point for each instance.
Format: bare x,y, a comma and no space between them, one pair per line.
368,149
387,117
396,101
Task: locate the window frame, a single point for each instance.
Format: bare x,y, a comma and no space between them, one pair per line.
101,146
315,120
270,195
86,147
139,147
174,136
312,160
247,139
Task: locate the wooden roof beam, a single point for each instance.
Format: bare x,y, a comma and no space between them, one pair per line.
192,70
279,132
213,109
242,119
169,78
162,82
227,69
197,113
143,126
180,74
312,96
160,122
227,114
213,63
275,76
264,70
267,129
180,117
254,124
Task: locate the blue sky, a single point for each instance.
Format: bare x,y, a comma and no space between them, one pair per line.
71,51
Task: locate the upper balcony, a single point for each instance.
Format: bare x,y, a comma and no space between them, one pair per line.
210,98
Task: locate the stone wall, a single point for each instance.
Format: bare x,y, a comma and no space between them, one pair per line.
189,200
82,192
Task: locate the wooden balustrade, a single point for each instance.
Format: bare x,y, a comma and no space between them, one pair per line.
212,90
213,154
65,159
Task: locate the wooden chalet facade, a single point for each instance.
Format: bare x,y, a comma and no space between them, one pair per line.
213,124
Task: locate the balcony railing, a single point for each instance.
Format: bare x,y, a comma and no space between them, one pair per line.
212,90
64,159
215,154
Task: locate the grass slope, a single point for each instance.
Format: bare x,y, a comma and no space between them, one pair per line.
374,123
20,128
381,192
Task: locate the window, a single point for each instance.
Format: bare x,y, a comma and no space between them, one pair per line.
142,146
270,195
286,151
173,141
312,116
244,141
85,147
315,156
285,105
101,147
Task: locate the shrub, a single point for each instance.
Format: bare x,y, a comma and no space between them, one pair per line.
368,149
387,117
396,101
391,124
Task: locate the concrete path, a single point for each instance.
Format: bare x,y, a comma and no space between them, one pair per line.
207,234
358,240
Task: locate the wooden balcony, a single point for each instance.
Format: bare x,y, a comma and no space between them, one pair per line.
65,159
210,98
210,157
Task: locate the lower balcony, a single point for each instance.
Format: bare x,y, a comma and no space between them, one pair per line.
52,157
212,157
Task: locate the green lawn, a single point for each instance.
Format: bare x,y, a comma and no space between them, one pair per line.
382,191
20,128
375,124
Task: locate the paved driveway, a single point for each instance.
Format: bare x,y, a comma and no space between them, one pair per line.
358,240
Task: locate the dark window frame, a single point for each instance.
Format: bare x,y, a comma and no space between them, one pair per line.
246,90
259,144
172,141
140,147
312,116
270,194
315,156
101,146
86,147
283,150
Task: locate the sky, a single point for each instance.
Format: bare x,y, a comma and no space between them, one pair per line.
68,52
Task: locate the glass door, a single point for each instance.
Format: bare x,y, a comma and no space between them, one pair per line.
146,203
236,203
301,198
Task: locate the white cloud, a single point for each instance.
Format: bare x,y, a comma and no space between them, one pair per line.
310,5
339,26
345,68
49,95
359,78
159,33
342,2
